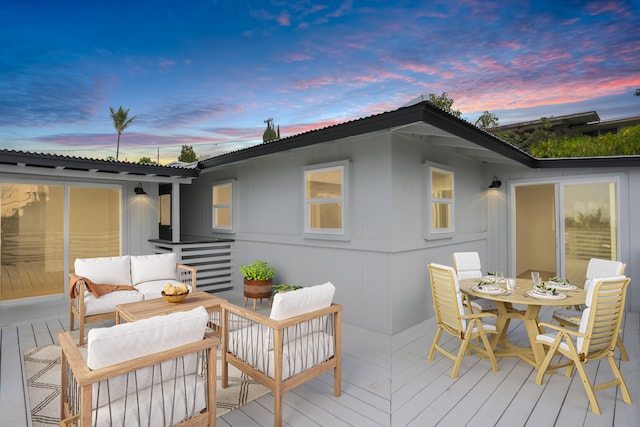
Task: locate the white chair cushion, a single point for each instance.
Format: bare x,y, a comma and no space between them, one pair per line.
152,289
305,300
107,302
471,274
119,343
157,405
468,264
297,356
145,268
105,270
569,316
483,304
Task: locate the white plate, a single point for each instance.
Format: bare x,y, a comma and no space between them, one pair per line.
561,286
489,291
535,294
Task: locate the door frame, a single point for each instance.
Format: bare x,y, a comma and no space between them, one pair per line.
622,206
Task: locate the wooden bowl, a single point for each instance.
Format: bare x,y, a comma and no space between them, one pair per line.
174,298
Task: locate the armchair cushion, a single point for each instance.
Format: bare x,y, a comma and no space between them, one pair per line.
105,270
145,268
305,300
127,341
107,303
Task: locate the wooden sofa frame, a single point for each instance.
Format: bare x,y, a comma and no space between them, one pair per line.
242,317
186,274
77,379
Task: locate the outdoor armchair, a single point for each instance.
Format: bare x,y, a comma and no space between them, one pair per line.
468,266
300,340
597,268
451,318
595,338
159,371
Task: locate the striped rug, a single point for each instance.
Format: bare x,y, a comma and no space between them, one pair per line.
42,370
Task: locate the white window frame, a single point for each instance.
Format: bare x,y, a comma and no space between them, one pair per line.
439,233
217,228
320,233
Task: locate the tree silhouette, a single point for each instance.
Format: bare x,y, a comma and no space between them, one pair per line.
270,133
120,122
187,154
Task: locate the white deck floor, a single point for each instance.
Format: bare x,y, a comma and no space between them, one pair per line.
387,381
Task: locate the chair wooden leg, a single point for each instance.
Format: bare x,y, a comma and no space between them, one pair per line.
458,362
277,408
81,331
432,352
621,384
547,360
595,407
623,351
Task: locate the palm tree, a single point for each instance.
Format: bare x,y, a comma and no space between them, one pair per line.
120,122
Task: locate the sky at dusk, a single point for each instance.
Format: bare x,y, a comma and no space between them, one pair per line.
207,73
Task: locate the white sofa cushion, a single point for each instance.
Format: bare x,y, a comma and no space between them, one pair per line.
305,300
145,268
107,302
105,270
119,343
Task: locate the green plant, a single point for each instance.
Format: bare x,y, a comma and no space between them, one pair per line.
258,270
284,287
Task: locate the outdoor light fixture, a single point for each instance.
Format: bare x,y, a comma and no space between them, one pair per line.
496,183
139,189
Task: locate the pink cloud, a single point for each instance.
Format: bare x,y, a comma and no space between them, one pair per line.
284,19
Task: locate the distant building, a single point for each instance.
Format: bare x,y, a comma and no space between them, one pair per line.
587,123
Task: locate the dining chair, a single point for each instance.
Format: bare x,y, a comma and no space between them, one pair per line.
468,266
595,338
452,319
597,268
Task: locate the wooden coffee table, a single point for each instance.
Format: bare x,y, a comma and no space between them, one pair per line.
155,307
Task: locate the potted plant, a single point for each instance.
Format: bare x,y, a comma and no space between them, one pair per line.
284,288
258,278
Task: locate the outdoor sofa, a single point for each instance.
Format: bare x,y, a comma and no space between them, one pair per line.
144,276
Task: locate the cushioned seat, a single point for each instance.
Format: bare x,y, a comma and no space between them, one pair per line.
297,342
156,371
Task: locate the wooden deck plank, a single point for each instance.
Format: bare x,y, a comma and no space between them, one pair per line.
381,387
13,406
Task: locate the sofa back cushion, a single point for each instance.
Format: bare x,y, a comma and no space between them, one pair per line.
127,341
106,270
305,300
145,268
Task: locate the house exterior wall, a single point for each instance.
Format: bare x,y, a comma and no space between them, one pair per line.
501,239
380,272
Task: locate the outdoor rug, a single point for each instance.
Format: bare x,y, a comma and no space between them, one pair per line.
42,369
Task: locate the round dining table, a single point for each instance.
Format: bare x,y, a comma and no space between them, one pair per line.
535,353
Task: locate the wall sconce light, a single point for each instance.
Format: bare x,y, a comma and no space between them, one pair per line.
496,183
139,189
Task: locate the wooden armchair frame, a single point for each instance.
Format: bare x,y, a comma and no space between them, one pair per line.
447,300
570,318
77,380
594,340
279,334
186,274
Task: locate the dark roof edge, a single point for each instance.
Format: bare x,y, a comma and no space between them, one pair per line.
465,130
79,163
421,112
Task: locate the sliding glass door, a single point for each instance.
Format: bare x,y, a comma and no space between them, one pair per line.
35,240
560,226
590,222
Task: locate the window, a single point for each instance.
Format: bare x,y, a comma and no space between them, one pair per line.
222,206
325,196
440,206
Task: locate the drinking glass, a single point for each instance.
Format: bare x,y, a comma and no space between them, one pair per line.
511,283
535,276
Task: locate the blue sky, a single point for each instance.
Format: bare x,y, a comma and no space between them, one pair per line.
207,73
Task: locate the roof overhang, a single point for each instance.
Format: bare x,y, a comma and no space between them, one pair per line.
18,162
